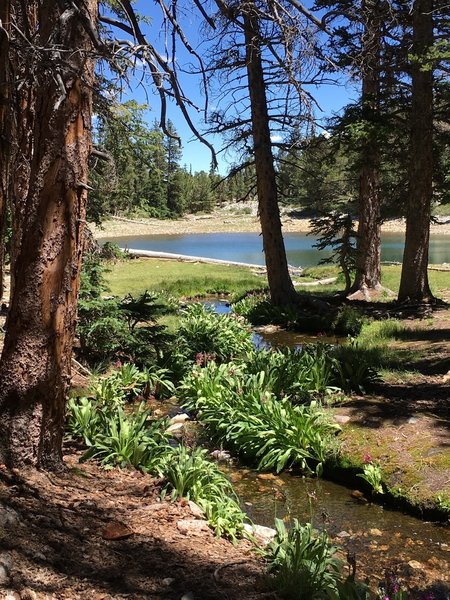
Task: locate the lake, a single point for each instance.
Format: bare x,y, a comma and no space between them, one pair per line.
247,247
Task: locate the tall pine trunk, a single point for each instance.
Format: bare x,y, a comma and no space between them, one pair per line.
414,286
6,149
282,291
50,217
368,261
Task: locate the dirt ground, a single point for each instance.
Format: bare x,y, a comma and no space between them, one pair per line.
97,535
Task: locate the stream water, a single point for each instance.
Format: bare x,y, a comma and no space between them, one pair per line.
380,538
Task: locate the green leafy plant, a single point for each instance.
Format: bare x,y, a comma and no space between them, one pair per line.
84,419
303,563
130,440
373,474
189,474
241,413
221,336
348,321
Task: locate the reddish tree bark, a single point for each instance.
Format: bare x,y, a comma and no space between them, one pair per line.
49,216
414,286
5,125
282,291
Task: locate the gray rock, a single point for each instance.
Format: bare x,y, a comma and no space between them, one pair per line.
342,419
264,535
4,575
192,527
8,517
174,427
196,510
343,534
181,418
188,596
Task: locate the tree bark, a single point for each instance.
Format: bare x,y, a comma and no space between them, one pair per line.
5,126
414,286
282,291
368,261
50,215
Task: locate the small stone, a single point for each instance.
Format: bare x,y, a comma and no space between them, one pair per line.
175,427
116,531
168,581
196,510
414,564
8,517
188,596
222,455
192,527
359,496
4,575
375,531
343,534
342,419
266,476
28,594
264,535
181,418
412,420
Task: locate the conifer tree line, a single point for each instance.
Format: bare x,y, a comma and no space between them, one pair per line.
141,171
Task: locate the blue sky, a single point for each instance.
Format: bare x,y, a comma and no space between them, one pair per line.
196,156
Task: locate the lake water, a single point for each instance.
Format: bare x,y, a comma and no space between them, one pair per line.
247,247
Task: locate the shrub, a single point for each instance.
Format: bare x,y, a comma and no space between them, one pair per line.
220,336
303,563
189,474
348,321
297,373
240,412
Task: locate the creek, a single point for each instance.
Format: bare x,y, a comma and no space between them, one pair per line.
247,247
380,538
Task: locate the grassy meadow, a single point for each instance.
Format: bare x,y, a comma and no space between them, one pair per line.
189,279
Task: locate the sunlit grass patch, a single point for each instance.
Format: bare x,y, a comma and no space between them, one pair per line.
180,278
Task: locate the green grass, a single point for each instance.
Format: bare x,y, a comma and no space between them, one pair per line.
199,279
180,278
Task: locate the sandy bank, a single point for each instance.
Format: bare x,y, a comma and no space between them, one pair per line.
223,223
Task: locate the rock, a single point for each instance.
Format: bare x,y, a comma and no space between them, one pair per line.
4,575
375,531
192,527
412,420
359,496
11,595
8,517
196,510
181,418
343,534
266,476
116,531
168,581
264,535
342,419
222,455
414,564
175,427
28,594
188,596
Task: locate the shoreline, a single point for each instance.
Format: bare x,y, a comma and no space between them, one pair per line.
224,223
